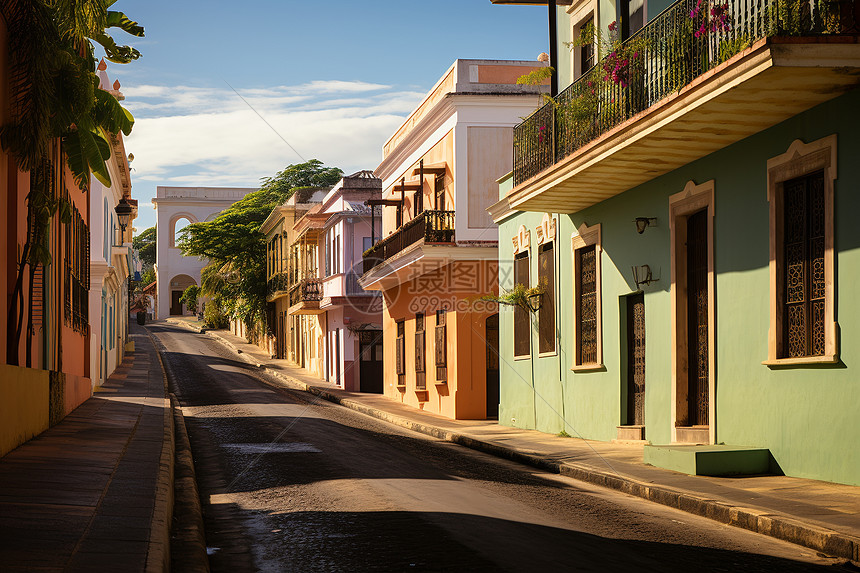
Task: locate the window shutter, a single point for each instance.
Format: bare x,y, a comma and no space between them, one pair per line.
587,303
400,350
441,346
420,383
546,315
804,285
522,336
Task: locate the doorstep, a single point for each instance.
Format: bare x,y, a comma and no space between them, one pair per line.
708,460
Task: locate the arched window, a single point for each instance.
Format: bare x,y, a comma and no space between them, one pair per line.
178,224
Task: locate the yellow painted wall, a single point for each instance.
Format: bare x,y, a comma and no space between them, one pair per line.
23,405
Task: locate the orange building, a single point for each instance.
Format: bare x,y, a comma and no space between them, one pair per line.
44,342
438,252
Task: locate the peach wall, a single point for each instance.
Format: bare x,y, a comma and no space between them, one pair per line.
75,345
458,287
78,389
442,151
501,74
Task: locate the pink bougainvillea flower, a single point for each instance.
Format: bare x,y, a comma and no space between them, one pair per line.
613,25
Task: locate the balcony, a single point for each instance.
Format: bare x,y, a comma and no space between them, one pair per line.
277,285
429,226
344,290
687,84
305,297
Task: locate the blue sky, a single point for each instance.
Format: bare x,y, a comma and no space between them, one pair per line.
335,78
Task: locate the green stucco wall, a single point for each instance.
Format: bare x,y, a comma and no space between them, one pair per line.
807,415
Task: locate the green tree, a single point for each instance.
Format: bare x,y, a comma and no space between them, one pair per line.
146,245
148,277
235,246
189,298
54,102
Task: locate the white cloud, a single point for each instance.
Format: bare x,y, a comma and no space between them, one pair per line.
209,136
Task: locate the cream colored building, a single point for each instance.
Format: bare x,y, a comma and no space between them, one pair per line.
176,207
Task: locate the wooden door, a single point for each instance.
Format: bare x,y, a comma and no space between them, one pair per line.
370,361
175,305
280,337
492,337
636,360
697,318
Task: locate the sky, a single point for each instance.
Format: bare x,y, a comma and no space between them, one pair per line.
225,89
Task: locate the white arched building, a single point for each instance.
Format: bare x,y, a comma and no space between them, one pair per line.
176,207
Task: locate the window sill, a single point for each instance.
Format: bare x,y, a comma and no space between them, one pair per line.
548,354
441,383
523,357
804,360
588,367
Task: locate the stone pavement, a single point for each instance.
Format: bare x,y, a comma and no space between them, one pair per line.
820,515
95,492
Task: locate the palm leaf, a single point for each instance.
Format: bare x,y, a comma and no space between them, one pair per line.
110,115
115,53
86,152
123,22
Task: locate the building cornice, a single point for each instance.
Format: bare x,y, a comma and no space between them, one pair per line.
501,210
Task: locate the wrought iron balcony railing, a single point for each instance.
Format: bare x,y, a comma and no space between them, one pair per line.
431,226
683,42
306,290
277,283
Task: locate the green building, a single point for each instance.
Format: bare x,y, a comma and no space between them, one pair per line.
685,209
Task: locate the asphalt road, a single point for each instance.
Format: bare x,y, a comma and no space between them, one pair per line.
291,483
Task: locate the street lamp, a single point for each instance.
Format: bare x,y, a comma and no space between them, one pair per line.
123,213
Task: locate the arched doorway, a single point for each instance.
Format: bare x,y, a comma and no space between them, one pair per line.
178,284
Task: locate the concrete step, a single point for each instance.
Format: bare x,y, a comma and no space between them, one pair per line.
708,460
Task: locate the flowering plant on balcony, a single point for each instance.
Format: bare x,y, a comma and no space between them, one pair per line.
622,59
710,16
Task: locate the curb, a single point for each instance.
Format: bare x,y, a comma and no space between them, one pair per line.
230,346
224,342
757,521
189,530
158,555
195,541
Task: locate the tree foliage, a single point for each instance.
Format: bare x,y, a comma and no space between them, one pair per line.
146,244
53,97
235,246
189,298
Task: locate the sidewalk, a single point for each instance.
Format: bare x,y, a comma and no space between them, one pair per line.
816,514
95,492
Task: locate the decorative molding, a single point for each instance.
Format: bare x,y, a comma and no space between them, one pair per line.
546,230
583,237
802,159
692,199
521,240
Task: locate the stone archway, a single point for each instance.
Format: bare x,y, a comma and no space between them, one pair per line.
177,285
173,206
178,222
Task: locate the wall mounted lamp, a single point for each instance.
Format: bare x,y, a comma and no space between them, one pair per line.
642,275
643,223
123,213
